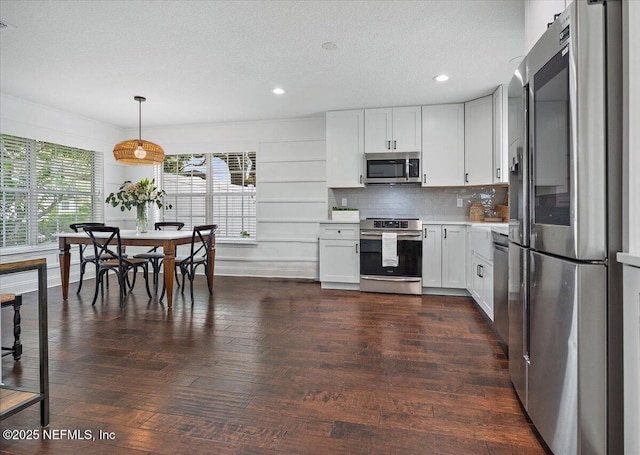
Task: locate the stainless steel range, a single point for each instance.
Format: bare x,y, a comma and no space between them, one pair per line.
391,255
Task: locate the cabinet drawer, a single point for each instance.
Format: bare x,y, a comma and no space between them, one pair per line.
340,231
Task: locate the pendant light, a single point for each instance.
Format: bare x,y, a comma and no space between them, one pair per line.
137,151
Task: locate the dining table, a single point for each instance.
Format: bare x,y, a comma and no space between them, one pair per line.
167,240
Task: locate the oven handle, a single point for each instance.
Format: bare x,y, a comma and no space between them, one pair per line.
416,234
389,278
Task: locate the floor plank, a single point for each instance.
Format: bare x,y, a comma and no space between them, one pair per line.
270,366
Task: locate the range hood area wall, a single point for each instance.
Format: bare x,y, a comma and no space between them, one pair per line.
408,201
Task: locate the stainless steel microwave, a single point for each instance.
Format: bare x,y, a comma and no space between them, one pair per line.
395,167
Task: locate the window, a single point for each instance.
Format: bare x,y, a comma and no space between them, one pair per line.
215,188
44,187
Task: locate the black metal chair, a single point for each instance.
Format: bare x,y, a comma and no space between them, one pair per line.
202,239
107,244
155,258
84,258
15,301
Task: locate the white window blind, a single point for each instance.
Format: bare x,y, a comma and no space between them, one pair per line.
217,188
44,188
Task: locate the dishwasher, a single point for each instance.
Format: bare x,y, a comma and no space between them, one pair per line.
500,285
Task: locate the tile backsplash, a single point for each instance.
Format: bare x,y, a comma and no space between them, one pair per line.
409,201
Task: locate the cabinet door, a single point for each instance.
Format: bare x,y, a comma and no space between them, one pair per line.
339,261
443,145
453,256
487,288
345,149
478,141
378,126
476,279
432,256
469,263
407,125
500,138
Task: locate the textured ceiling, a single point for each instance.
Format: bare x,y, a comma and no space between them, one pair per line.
217,61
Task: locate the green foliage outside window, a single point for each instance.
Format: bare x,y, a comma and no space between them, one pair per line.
44,187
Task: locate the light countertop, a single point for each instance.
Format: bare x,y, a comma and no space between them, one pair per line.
499,227
629,259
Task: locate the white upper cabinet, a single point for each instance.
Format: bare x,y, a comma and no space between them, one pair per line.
394,129
378,130
478,141
443,145
500,136
345,149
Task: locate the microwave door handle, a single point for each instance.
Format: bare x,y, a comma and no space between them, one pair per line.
406,168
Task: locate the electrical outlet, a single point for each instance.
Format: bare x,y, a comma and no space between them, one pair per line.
344,201
459,202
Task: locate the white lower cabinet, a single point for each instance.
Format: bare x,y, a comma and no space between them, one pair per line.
339,255
432,256
443,256
482,283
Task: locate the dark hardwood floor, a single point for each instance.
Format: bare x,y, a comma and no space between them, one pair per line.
269,366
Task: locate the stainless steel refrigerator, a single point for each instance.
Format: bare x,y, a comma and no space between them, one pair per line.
565,227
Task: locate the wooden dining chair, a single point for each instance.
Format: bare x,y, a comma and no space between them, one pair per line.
84,258
107,244
153,255
200,254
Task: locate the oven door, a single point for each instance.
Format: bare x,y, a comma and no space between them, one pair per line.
568,148
409,255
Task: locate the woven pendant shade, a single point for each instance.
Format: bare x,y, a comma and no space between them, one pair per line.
137,151
124,152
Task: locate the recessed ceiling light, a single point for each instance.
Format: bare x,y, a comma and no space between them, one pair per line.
441,78
329,46
278,91
517,60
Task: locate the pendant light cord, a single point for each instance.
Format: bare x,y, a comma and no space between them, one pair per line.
140,119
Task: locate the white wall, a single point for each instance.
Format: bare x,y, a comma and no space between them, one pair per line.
537,14
291,184
26,119
632,124
289,211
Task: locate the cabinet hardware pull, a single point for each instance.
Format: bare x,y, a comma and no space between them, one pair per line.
481,275
388,145
424,178
356,248
360,178
498,173
425,233
466,177
394,145
445,233
477,270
